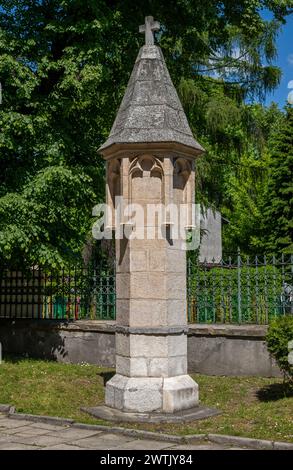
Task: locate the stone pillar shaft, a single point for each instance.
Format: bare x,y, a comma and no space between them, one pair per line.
151,337
150,156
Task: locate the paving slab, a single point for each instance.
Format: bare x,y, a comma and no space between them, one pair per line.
15,446
4,439
24,431
145,444
73,433
64,447
26,435
104,440
48,426
13,423
41,441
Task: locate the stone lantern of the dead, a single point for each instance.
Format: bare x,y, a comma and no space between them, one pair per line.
150,156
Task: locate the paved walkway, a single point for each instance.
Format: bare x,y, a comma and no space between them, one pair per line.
17,434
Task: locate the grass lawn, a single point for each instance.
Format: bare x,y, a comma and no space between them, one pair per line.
251,406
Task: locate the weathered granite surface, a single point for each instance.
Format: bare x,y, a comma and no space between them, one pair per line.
151,110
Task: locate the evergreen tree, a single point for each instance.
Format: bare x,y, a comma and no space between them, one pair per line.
278,204
245,183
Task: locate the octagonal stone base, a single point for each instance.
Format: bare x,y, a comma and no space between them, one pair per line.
184,416
143,395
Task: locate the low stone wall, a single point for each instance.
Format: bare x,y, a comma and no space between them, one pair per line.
76,342
212,349
230,350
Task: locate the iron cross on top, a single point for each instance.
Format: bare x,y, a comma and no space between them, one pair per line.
148,28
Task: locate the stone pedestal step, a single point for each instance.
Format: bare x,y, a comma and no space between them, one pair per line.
113,414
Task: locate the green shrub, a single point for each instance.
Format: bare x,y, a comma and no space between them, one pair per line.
279,334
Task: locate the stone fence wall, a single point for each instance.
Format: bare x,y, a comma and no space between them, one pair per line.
212,349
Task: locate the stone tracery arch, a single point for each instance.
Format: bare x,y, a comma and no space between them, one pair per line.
149,170
181,178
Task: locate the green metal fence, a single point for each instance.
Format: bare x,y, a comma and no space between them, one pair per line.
68,294
240,289
235,290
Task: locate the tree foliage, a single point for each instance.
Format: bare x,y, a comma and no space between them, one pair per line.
245,185
64,66
280,334
278,199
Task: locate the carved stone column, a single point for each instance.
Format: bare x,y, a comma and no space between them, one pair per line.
150,157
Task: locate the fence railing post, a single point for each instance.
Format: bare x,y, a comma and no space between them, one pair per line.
291,293
222,303
188,299
283,283
205,292
256,291
213,293
275,287
248,300
266,290
230,294
239,297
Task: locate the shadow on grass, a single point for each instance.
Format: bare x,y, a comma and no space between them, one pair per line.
13,358
274,392
35,339
106,375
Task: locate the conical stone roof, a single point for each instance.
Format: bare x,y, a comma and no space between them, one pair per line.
151,111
